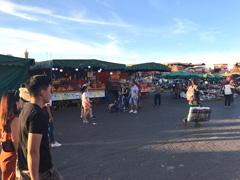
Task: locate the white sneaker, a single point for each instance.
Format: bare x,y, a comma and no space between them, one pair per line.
135,112
131,111
56,144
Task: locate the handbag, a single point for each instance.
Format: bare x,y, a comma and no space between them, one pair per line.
7,145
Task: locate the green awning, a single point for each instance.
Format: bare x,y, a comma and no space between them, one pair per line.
208,76
14,71
78,63
7,60
181,75
42,65
157,75
148,67
219,77
213,77
231,74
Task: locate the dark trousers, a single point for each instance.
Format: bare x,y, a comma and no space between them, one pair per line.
228,100
126,103
120,109
157,98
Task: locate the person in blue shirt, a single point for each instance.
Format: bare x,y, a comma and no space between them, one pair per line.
120,101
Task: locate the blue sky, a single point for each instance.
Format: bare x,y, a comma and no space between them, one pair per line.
123,31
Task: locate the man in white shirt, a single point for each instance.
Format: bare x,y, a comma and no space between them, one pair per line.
134,97
227,89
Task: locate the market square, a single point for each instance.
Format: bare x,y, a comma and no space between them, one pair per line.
119,90
153,144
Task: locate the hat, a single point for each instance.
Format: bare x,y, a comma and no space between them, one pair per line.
24,94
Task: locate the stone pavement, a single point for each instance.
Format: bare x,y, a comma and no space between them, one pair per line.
150,145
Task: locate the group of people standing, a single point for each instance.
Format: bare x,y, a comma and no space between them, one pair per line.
25,134
129,98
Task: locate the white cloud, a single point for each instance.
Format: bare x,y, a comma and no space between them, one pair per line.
20,10
104,4
208,36
32,12
184,26
15,41
82,20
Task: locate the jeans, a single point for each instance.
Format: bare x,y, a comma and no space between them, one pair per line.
50,131
120,108
228,100
157,98
133,100
51,174
126,103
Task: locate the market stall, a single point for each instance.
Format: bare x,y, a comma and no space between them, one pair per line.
14,71
68,76
211,87
144,73
212,93
181,75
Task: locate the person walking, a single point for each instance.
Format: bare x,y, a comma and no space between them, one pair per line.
139,93
49,113
34,157
227,89
85,104
11,103
87,83
157,95
193,97
134,98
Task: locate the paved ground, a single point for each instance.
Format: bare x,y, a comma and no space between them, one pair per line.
152,144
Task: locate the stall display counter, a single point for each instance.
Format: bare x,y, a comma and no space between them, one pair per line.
64,93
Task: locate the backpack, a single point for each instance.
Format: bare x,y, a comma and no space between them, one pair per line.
191,94
223,90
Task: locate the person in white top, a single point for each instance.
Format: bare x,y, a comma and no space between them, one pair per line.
133,97
87,83
227,89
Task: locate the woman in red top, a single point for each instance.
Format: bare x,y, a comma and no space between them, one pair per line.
11,103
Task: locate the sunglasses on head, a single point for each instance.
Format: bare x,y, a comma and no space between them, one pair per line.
14,92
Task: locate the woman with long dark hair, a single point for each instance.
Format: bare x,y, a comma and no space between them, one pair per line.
11,103
85,104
